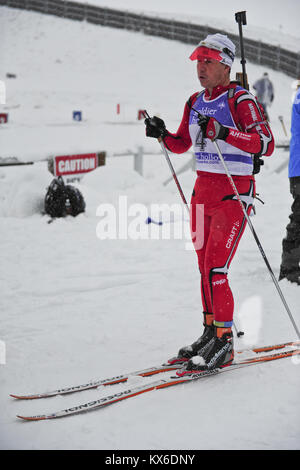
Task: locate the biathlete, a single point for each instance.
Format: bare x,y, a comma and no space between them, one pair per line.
227,112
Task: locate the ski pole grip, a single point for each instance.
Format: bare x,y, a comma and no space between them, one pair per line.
146,114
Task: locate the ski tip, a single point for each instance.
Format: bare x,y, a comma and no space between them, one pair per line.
23,397
32,418
18,397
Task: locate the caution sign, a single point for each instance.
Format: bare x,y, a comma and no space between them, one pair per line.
64,165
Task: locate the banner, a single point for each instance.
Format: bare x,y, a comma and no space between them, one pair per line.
77,164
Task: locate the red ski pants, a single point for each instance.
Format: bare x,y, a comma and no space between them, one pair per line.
217,236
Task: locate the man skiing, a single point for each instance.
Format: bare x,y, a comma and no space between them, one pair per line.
264,92
227,112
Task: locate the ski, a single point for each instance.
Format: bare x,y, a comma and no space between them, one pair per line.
157,385
257,350
273,347
99,382
172,364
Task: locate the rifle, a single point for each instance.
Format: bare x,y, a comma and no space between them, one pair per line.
240,18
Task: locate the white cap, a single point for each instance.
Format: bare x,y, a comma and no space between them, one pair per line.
216,42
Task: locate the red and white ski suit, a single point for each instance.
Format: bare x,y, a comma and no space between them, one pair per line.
224,221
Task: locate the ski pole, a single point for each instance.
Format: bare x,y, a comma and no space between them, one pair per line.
283,126
257,239
171,169
238,333
174,175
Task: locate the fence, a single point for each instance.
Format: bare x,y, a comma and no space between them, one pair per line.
138,161
257,52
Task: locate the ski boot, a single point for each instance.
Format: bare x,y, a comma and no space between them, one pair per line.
200,345
219,353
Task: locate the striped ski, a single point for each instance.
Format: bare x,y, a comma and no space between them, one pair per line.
158,384
172,364
99,382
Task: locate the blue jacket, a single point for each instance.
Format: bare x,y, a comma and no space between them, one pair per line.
294,162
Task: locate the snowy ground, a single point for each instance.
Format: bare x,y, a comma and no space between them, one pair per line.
74,307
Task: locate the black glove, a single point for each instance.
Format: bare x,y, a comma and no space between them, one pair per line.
155,127
211,128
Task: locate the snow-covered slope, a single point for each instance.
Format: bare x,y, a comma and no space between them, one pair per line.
75,307
268,21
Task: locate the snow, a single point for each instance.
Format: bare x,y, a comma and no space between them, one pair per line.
75,306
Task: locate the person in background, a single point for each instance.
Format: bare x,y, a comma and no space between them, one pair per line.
264,92
229,113
290,262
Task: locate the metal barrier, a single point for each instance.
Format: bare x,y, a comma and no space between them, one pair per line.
268,55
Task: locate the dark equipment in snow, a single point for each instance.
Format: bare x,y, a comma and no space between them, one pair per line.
62,200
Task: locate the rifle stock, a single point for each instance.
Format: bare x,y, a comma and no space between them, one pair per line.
243,80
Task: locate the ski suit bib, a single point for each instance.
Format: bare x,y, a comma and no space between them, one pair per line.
224,221
207,159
